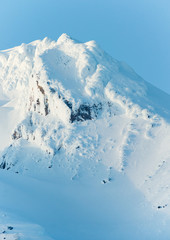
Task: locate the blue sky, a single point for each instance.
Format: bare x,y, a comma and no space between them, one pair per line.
135,31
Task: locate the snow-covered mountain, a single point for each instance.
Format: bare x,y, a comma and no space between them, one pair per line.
70,111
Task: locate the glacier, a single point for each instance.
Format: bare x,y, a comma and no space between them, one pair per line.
84,147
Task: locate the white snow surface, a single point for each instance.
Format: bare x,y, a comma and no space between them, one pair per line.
84,146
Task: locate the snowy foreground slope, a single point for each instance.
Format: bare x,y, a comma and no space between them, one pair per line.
84,146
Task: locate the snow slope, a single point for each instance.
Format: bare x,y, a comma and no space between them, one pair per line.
77,123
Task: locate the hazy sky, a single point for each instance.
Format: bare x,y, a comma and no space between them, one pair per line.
135,31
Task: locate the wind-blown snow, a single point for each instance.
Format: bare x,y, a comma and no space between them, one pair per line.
68,107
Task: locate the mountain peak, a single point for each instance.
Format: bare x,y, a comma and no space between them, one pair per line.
64,38
71,105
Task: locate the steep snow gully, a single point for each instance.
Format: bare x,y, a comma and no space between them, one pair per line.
84,147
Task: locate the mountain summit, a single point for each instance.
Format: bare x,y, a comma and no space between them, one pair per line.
69,105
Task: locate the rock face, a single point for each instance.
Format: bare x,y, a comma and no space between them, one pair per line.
71,105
